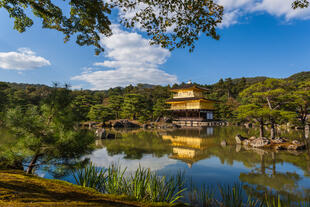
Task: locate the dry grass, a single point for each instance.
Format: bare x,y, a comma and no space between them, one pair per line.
19,189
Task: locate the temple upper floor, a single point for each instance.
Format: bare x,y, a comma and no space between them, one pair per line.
189,91
188,94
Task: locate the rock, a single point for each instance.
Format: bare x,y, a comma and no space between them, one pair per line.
307,131
101,133
246,142
238,148
279,140
110,136
167,120
259,142
279,147
296,147
252,138
296,142
239,139
223,143
145,126
124,123
248,125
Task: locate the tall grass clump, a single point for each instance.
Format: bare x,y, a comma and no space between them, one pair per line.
91,176
143,185
115,182
231,195
138,184
166,189
203,196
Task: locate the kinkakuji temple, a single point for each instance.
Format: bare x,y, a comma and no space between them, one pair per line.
189,107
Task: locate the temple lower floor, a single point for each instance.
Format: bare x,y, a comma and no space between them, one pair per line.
193,115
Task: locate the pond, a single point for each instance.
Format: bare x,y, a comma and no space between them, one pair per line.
202,156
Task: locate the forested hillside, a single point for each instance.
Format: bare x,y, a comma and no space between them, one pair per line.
142,102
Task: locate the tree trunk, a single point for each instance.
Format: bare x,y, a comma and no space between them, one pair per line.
273,163
32,164
273,130
262,164
307,131
261,128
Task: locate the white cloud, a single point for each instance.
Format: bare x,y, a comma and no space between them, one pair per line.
230,18
23,59
235,9
132,60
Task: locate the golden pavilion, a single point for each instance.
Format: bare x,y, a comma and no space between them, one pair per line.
188,104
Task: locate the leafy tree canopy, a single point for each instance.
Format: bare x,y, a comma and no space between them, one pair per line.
171,24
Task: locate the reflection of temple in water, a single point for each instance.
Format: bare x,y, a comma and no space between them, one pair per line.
189,144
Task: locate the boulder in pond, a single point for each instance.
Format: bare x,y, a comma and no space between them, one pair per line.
246,142
223,143
296,147
279,140
124,123
239,139
260,142
110,136
101,133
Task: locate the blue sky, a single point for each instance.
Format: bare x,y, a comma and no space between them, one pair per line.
258,38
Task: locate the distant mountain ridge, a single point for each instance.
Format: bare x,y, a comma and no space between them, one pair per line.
301,76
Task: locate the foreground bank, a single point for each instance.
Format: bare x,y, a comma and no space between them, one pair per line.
19,189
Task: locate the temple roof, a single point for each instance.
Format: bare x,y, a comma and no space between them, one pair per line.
187,99
189,86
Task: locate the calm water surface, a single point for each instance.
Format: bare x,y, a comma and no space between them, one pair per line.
199,153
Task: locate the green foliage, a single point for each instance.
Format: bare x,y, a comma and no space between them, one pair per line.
88,19
231,195
160,108
134,107
142,185
81,105
134,145
100,113
203,196
48,131
289,100
115,104
90,176
300,4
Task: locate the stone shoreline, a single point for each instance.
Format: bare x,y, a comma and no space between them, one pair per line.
279,143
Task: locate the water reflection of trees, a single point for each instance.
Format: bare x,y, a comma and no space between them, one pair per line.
192,145
136,143
263,177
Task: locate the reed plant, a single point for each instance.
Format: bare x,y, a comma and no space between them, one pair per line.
167,189
115,182
138,184
91,176
231,195
203,196
143,185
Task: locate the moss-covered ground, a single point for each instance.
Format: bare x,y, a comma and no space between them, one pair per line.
20,189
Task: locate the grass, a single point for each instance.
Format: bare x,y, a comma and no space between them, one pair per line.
19,189
142,185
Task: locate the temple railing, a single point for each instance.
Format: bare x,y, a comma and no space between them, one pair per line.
190,119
